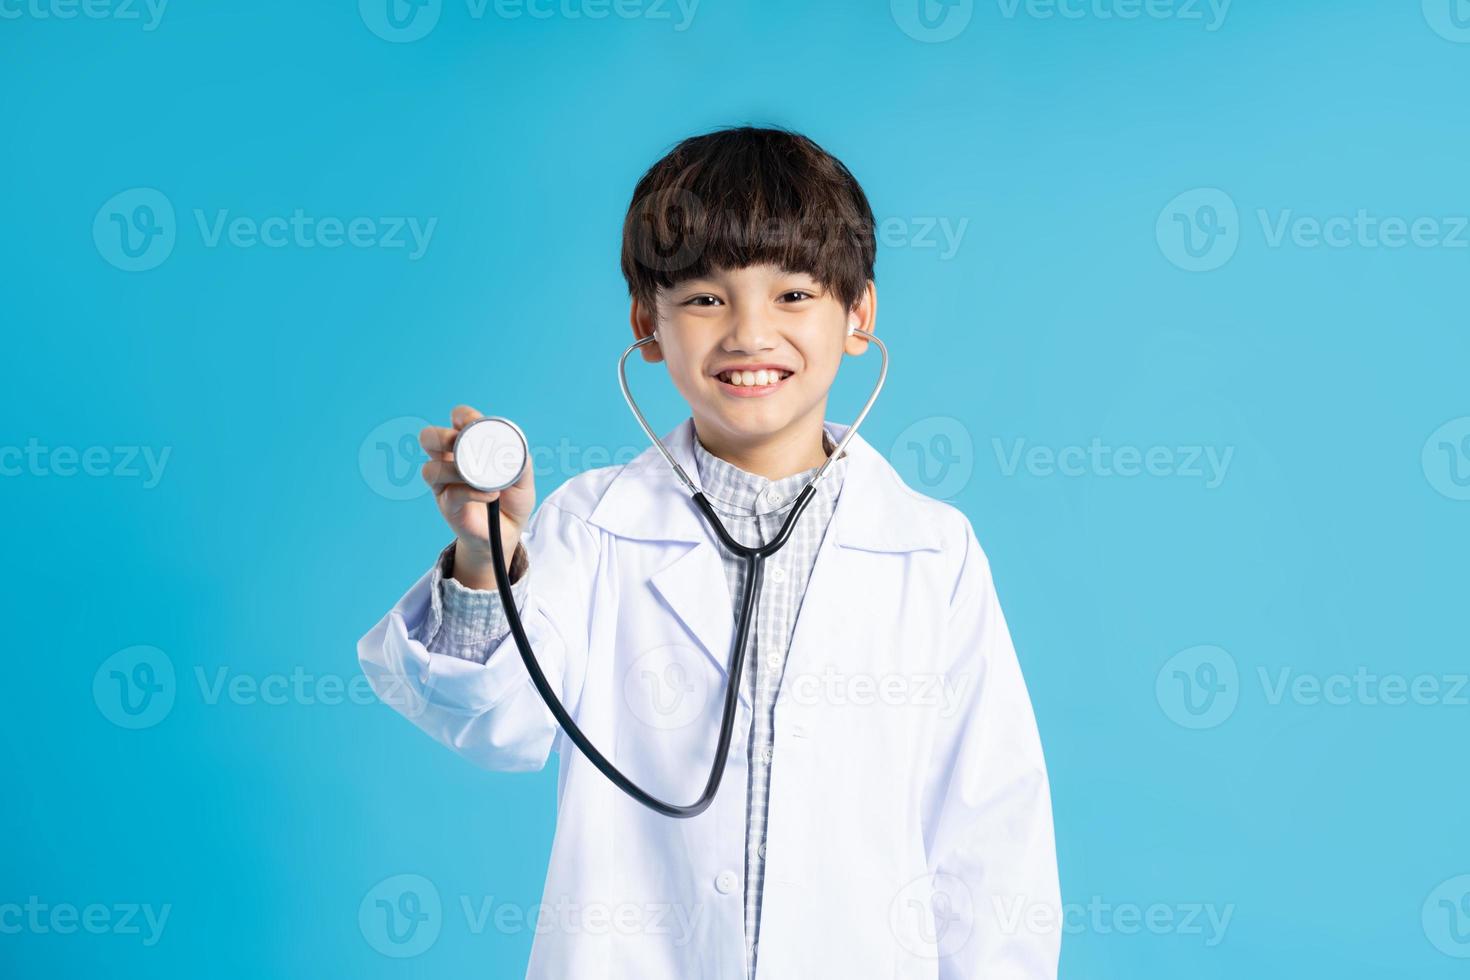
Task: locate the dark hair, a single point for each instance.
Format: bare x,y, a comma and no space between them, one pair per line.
742,196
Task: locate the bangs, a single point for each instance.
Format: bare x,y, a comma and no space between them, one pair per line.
745,197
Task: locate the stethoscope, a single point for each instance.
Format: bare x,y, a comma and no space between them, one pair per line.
492,453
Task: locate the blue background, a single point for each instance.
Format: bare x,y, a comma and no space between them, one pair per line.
1334,543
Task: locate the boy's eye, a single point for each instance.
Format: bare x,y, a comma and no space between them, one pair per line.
796,296
703,299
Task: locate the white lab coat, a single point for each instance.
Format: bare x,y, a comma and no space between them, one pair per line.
910,829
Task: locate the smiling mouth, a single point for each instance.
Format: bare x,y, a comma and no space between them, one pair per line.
752,379
752,384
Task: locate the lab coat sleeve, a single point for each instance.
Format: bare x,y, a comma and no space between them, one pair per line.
487,709
987,803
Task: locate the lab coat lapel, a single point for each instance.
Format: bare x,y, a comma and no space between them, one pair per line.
872,516
697,593
647,502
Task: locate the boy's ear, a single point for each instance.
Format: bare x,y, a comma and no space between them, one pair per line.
863,316
645,324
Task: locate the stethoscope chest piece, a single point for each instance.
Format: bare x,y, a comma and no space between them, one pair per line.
491,454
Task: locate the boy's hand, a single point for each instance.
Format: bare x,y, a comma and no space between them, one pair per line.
464,507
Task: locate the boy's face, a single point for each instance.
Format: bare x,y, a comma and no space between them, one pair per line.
749,318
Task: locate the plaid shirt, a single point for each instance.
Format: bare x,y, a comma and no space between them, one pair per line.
468,623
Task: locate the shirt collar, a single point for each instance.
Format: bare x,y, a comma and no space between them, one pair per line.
738,492
876,510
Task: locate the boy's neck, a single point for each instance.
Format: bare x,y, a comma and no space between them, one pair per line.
793,450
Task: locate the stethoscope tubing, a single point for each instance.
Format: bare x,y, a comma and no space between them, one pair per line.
754,558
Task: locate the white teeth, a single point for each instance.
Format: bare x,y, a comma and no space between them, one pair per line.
754,378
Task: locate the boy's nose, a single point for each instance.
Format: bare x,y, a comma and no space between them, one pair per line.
750,332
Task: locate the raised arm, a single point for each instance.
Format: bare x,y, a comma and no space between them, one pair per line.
443,657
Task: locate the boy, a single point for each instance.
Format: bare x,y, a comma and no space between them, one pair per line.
885,810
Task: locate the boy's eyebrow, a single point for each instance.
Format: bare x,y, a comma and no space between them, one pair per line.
800,272
684,284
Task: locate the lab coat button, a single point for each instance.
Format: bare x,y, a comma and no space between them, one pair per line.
778,574
725,882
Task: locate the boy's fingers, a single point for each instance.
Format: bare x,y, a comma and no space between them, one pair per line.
437,439
458,496
463,415
438,473
446,484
